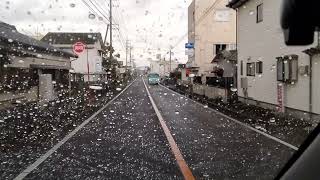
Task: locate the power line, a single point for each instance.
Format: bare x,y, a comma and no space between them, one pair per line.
92,10
98,10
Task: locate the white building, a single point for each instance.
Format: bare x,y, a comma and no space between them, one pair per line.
271,74
162,67
212,28
90,59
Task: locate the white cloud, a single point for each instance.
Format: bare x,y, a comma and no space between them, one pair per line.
150,25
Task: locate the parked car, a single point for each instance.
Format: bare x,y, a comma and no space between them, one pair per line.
153,78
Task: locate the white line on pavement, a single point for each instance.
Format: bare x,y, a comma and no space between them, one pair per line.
184,168
33,166
243,124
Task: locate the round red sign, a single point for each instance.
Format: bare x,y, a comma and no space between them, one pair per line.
79,47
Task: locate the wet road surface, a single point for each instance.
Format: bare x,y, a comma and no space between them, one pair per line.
126,141
214,146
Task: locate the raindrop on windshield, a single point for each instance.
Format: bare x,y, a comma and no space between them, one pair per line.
92,16
234,89
72,5
272,120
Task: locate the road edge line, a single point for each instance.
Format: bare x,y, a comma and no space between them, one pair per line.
184,168
241,123
43,157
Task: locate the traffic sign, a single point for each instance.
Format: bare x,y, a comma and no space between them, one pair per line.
190,52
78,47
189,45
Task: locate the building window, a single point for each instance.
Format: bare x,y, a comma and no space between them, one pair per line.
217,48
251,69
260,13
232,47
241,68
259,67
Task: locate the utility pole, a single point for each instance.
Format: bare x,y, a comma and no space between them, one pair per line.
105,38
130,56
170,62
127,54
110,19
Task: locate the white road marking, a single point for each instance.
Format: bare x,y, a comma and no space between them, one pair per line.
184,168
241,123
40,160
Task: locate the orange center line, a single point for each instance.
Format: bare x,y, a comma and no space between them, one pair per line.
184,168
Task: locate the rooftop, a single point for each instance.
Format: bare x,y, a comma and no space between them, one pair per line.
226,55
10,37
71,38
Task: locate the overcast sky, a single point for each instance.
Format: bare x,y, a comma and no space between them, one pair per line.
150,25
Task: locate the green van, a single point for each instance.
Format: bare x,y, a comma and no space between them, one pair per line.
153,78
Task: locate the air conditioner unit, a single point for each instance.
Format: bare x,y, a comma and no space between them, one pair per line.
287,69
244,82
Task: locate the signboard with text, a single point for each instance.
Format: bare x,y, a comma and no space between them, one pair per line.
190,52
189,45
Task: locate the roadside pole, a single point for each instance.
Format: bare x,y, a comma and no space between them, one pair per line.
88,63
127,55
110,19
170,62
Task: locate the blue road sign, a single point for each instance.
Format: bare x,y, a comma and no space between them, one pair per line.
189,45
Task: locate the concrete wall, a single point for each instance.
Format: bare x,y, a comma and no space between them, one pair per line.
191,28
264,42
316,84
210,31
45,88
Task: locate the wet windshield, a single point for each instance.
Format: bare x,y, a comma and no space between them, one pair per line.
229,100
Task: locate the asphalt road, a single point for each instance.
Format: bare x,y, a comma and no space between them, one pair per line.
214,146
126,141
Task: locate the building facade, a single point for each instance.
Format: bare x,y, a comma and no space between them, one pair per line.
212,28
89,62
162,67
271,74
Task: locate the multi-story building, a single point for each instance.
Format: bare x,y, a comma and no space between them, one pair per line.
212,28
271,74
